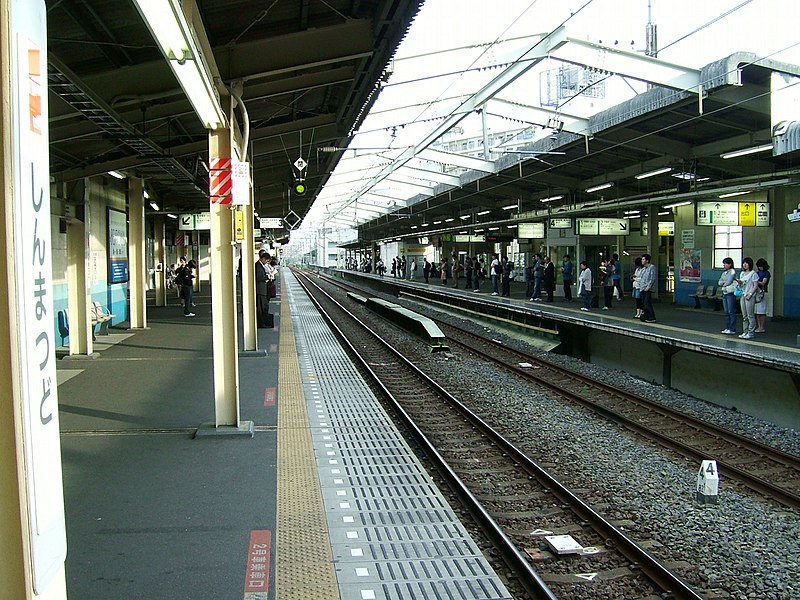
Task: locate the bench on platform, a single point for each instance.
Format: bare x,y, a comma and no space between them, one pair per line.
698,294
100,316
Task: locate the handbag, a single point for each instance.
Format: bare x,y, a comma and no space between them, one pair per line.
759,296
271,290
738,292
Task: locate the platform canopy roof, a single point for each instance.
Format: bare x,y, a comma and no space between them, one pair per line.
306,71
521,125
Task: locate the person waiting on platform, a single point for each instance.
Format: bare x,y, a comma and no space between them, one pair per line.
477,265
608,282
585,285
549,279
468,273
505,281
762,271
635,281
179,271
566,275
443,271
188,288
538,276
412,270
747,296
727,283
426,270
617,277
262,289
496,270
648,282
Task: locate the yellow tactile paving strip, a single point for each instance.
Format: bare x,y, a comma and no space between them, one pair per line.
303,560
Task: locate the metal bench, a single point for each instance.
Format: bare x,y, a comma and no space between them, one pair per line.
100,317
699,293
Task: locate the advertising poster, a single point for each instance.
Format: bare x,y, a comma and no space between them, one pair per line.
690,264
117,247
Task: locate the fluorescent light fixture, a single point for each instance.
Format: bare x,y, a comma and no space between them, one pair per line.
146,195
703,179
484,212
551,198
478,230
677,204
632,217
465,217
116,174
493,228
154,206
171,216
664,213
732,194
684,175
746,151
450,220
633,212
437,222
654,173
597,188
463,232
511,226
413,227
167,23
509,207
425,224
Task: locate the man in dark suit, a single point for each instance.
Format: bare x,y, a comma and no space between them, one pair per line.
262,290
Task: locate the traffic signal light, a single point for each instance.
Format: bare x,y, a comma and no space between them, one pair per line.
299,188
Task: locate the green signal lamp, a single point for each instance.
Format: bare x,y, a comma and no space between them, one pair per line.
299,188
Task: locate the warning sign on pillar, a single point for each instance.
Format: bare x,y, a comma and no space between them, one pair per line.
220,181
241,183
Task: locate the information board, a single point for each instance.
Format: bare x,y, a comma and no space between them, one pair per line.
602,227
530,230
746,214
561,223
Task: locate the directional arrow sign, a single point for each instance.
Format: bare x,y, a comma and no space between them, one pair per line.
186,223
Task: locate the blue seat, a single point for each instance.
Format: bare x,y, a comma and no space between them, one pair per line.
63,326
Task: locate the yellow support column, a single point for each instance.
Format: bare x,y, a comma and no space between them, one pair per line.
32,536
223,293
78,297
137,276
161,261
248,281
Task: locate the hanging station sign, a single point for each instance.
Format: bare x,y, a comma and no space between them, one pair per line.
530,230
745,214
560,223
602,227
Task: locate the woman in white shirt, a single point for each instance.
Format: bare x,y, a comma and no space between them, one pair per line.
748,282
585,285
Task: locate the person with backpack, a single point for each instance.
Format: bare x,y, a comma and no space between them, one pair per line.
178,279
188,287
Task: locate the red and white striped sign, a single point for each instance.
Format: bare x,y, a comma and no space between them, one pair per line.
220,181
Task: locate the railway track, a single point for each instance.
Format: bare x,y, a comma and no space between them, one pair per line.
517,503
763,469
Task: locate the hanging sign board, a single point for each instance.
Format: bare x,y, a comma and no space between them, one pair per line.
561,223
469,238
194,222
270,222
530,230
602,227
745,214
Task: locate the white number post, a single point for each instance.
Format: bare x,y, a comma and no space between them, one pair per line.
707,483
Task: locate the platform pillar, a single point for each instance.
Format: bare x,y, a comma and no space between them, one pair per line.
161,259
248,280
78,293
137,267
223,290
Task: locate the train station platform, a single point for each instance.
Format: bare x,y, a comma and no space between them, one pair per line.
325,501
684,349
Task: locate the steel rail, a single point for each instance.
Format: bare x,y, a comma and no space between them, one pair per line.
668,581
